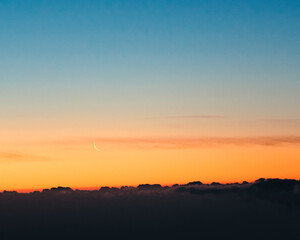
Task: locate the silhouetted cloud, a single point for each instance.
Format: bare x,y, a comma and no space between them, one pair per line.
268,207
59,189
194,183
149,187
265,187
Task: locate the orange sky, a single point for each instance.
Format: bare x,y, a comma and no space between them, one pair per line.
30,162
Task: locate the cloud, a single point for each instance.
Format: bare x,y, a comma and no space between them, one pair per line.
291,122
185,143
224,211
17,156
196,116
180,143
10,155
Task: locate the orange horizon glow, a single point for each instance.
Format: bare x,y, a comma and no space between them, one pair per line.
119,186
132,161
132,154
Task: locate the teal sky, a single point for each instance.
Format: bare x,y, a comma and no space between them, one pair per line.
117,62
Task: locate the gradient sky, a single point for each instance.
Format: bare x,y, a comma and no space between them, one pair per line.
171,91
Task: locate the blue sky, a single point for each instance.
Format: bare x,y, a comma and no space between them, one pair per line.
64,59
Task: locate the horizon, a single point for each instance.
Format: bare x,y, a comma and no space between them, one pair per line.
136,186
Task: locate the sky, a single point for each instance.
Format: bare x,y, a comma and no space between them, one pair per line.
169,91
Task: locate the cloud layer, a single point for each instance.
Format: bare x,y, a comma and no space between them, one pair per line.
184,143
268,208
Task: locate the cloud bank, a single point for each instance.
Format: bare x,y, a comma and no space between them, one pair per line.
265,209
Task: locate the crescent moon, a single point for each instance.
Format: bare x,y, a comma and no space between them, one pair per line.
96,148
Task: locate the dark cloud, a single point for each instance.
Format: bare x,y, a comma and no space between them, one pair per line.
149,187
265,209
194,183
274,190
